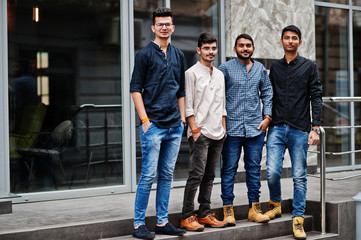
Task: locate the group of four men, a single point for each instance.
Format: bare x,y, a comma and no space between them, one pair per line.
224,114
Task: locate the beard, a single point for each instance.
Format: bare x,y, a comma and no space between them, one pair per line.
244,58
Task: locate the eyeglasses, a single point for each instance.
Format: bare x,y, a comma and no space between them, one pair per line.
161,25
209,48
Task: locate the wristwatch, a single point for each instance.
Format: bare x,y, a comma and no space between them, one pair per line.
317,130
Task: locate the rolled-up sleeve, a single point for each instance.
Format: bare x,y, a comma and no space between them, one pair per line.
189,91
139,73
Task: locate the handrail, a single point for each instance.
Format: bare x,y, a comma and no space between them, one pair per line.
341,99
323,155
323,179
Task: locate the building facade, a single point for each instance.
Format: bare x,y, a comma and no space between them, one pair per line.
72,60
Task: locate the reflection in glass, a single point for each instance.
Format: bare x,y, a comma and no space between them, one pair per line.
357,76
64,68
332,60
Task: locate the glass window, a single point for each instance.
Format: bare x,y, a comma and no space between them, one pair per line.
332,60
192,18
335,1
357,78
64,64
356,2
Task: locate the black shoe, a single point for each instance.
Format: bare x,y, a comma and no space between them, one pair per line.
169,229
142,233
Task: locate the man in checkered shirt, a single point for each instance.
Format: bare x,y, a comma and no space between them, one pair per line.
247,84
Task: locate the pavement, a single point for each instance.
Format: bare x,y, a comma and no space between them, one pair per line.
340,187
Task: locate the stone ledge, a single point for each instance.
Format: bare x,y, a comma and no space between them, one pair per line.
5,207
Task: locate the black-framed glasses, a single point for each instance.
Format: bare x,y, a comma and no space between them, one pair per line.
209,48
161,25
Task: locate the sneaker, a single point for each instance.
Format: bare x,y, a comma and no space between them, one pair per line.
255,214
211,221
274,210
228,215
191,224
169,229
142,233
298,231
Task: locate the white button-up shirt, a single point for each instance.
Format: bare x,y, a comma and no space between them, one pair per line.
205,99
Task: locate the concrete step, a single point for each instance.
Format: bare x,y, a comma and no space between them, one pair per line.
310,235
243,230
5,206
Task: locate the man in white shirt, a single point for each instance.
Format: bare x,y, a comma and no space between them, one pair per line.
205,113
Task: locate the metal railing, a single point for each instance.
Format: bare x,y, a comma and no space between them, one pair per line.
323,154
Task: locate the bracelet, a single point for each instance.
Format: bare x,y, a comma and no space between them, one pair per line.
267,117
195,131
143,120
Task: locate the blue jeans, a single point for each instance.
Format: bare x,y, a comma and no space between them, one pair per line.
160,149
279,138
231,153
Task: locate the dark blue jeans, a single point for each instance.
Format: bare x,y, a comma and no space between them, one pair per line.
231,153
279,138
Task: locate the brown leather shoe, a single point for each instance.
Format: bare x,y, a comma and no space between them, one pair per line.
211,221
191,224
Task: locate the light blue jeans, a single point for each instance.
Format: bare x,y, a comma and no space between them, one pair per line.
160,149
279,138
231,153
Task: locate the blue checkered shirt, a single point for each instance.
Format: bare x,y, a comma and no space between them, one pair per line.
244,90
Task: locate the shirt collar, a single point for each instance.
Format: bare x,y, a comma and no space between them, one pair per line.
205,68
242,62
294,61
157,46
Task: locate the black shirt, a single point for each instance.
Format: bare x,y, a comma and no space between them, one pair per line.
295,85
161,80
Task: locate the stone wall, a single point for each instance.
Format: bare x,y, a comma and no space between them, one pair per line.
264,21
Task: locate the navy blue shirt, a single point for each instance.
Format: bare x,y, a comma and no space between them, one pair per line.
160,79
295,85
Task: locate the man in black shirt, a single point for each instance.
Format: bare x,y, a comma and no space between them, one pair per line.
296,84
157,89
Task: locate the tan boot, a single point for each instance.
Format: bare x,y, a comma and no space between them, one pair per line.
274,210
255,214
228,215
298,231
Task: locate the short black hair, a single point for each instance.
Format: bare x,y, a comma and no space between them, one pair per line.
162,12
206,38
292,28
243,35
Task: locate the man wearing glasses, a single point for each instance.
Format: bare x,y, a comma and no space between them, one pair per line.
247,83
205,111
157,89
